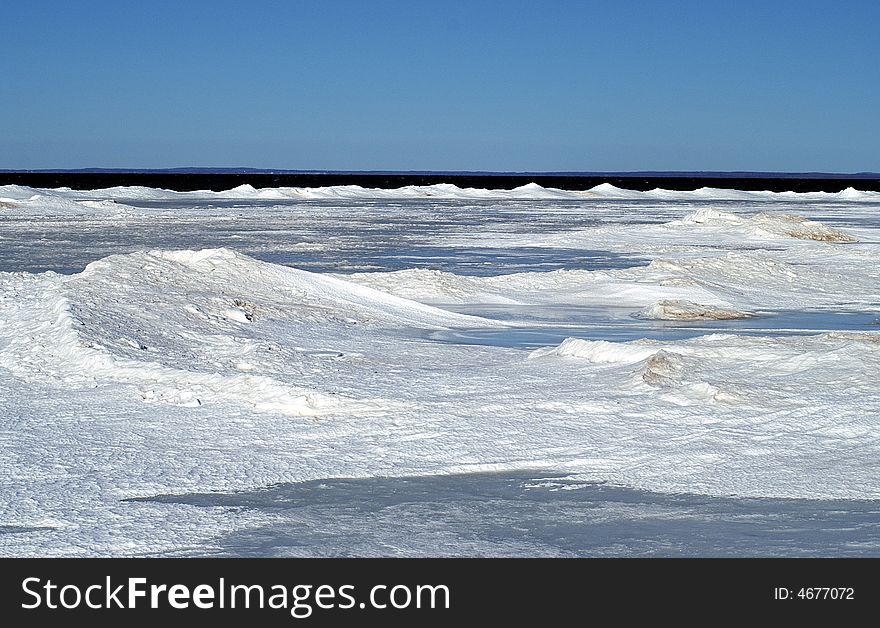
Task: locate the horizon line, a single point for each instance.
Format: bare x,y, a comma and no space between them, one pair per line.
568,173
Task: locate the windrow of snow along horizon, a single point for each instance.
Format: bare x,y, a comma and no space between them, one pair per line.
717,342
530,191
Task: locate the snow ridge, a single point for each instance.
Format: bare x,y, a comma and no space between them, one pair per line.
167,323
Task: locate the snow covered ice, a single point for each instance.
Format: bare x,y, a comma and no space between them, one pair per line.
158,346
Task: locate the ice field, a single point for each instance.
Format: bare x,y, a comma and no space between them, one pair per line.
439,371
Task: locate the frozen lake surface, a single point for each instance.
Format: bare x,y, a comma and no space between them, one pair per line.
501,514
548,325
438,371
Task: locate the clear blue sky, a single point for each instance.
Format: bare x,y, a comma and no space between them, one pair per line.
431,85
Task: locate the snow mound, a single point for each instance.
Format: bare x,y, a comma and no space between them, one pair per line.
432,286
599,351
200,327
333,294
661,368
679,380
47,340
722,369
720,194
529,191
766,224
108,205
16,192
627,288
753,280
683,310
674,372
60,202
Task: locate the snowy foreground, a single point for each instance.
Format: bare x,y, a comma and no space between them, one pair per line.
199,343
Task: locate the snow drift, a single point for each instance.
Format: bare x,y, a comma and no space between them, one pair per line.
195,327
440,191
766,224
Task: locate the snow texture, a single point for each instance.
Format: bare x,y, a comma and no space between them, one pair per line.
170,370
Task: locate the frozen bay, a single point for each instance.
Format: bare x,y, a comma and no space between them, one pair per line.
723,346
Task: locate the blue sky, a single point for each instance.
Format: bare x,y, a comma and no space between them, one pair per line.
522,86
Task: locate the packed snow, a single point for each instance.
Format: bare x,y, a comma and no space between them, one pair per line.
167,343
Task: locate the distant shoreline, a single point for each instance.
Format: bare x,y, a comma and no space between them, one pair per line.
218,179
